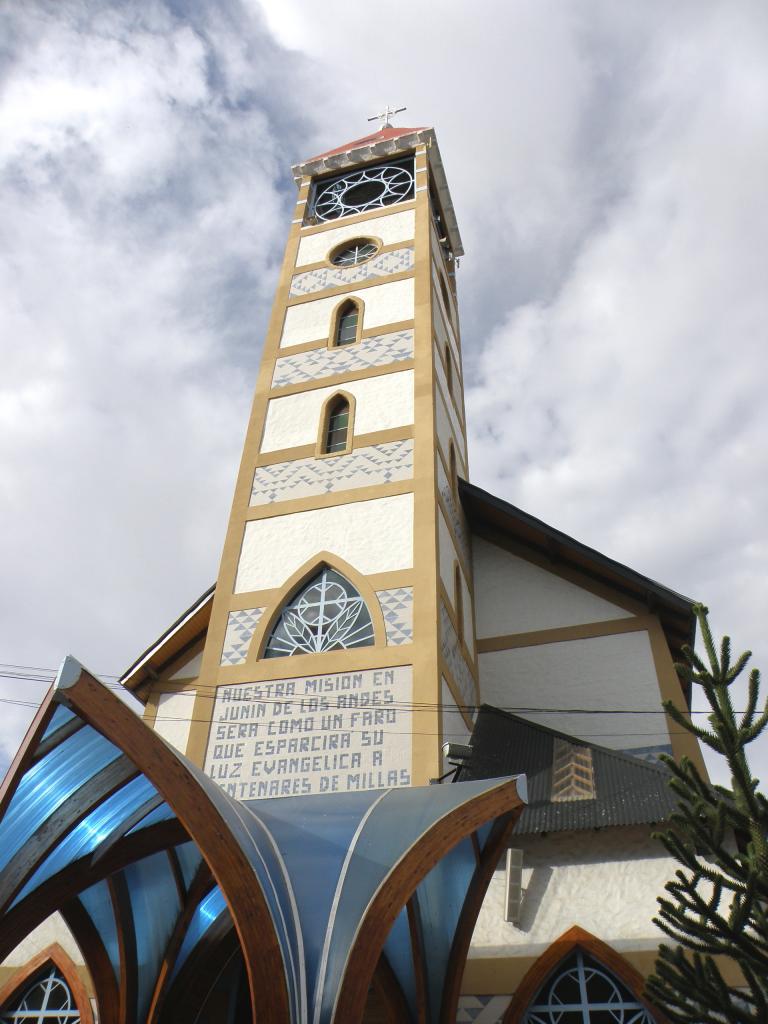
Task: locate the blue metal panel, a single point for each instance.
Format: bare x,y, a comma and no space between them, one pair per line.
161,813
59,717
210,909
47,784
99,907
155,907
92,831
398,952
190,860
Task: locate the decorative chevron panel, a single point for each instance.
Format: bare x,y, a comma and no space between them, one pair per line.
455,514
385,263
237,639
302,478
397,607
454,659
326,362
481,1009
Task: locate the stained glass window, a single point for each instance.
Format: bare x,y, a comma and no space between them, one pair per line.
47,1000
364,189
582,991
346,325
355,252
327,614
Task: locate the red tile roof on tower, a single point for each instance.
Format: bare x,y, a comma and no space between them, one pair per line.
368,140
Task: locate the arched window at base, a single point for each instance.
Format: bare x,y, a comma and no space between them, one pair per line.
582,991
47,990
581,980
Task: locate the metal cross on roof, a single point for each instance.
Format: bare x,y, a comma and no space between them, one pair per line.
385,116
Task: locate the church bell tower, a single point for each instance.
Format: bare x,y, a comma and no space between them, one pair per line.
340,648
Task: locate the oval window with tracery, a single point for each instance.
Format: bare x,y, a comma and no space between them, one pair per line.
48,1000
352,253
327,614
583,991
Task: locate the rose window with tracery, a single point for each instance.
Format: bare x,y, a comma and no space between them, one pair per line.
582,991
48,1000
327,614
362,190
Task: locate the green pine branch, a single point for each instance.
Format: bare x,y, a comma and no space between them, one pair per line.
716,907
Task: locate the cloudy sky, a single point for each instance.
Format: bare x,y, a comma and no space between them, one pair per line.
608,165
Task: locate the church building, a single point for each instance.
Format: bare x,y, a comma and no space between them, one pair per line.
400,762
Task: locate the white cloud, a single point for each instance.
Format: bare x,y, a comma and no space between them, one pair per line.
607,164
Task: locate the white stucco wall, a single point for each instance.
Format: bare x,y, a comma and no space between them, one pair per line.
516,596
443,328
53,929
381,403
174,717
601,673
189,669
446,553
373,536
397,227
442,385
384,304
606,882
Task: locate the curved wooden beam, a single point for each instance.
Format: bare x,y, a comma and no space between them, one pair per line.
57,890
231,868
473,901
126,942
576,938
25,755
57,825
390,992
57,956
402,881
79,922
419,959
198,975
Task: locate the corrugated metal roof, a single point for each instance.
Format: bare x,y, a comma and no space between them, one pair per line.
629,791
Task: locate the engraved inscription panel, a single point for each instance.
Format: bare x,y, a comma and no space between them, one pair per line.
313,734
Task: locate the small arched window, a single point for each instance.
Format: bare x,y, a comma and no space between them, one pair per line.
449,370
327,614
336,429
347,324
458,601
46,1000
452,471
582,989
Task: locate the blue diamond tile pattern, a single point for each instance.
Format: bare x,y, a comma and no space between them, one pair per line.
397,608
454,659
481,1009
395,262
378,350
237,639
303,478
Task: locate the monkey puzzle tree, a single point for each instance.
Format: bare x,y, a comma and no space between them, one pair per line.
716,908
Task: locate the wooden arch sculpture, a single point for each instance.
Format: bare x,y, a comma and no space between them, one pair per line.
197,817
571,940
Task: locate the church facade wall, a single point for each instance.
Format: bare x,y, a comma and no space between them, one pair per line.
384,304
606,673
373,536
381,403
396,227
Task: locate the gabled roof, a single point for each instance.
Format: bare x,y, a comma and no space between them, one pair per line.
489,515
179,637
629,791
383,135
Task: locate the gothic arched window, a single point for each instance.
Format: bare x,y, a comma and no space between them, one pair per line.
347,324
582,991
47,1000
336,425
327,614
